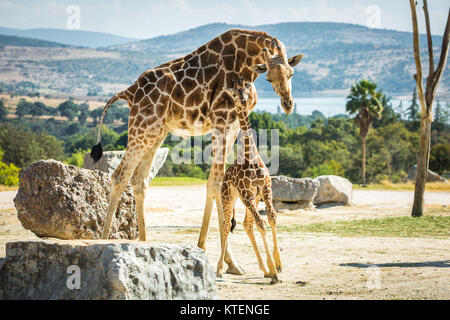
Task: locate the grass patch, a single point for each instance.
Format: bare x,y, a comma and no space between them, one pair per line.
156,182
176,181
409,186
6,188
405,227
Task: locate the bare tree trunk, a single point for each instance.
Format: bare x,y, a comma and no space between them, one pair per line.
363,152
426,100
422,168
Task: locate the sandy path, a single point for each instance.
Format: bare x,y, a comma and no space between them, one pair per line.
316,266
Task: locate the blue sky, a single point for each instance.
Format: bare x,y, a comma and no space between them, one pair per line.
149,18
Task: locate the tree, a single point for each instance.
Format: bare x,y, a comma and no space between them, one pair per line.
440,119
38,109
364,101
413,112
440,158
426,99
96,114
84,113
3,111
68,109
22,147
23,108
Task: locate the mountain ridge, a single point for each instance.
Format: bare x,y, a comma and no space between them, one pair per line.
83,38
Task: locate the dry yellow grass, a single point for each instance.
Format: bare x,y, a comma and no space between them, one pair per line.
407,186
51,102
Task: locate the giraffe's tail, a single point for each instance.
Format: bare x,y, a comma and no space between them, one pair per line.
97,150
233,221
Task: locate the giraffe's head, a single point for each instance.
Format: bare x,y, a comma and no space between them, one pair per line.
279,73
240,94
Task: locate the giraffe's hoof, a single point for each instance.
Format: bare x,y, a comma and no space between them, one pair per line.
219,275
236,271
267,275
275,280
280,269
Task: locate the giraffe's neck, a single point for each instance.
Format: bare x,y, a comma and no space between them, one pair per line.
248,152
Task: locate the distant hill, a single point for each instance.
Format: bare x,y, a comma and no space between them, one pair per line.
336,56
81,38
27,42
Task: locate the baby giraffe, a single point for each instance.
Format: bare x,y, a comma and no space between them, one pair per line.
248,179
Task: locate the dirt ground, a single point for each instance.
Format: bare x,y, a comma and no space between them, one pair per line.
315,266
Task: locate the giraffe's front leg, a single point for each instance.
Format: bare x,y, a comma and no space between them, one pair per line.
272,217
225,228
233,267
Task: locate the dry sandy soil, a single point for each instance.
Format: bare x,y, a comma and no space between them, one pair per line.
316,266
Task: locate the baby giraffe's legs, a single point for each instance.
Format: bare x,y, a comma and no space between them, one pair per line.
228,200
272,217
248,199
248,226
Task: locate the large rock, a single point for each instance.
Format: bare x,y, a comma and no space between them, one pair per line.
66,202
111,160
334,190
292,193
431,177
105,270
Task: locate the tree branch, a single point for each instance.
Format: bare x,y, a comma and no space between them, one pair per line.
442,61
418,77
430,42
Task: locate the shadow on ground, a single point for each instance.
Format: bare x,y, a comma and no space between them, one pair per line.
435,264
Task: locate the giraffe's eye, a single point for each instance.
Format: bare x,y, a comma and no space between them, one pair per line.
268,80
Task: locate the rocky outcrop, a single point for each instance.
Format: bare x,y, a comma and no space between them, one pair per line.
334,190
91,270
293,194
431,177
66,202
111,159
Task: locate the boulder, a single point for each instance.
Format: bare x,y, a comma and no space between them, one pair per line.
106,270
111,160
66,202
431,177
292,193
334,190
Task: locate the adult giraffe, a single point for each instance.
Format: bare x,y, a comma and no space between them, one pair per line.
187,97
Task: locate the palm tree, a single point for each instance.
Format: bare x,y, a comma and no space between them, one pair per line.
364,101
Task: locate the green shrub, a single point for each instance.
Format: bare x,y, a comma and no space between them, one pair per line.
77,158
9,173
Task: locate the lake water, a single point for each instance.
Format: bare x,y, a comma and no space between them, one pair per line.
329,106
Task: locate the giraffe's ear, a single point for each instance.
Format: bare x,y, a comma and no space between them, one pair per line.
259,68
295,60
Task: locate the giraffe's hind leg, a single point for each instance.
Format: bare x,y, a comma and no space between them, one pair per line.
119,180
248,199
249,229
140,182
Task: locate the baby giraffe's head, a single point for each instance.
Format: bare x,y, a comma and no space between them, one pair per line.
241,95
